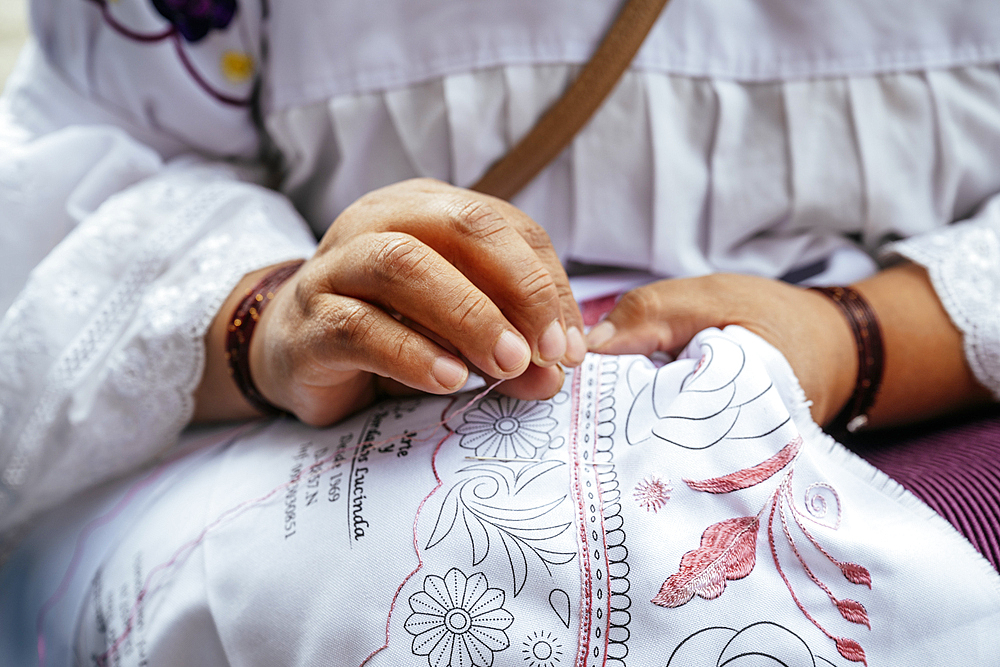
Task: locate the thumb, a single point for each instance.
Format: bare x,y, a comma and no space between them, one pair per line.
659,317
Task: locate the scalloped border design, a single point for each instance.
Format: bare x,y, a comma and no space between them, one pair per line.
605,603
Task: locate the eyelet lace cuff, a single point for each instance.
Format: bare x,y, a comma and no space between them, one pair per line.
963,262
102,351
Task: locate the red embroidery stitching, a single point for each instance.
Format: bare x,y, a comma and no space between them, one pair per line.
652,493
600,515
816,505
744,479
728,549
416,521
854,573
848,648
585,603
185,550
852,610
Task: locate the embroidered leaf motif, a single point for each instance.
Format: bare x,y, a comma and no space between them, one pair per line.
743,479
851,650
728,551
854,612
856,574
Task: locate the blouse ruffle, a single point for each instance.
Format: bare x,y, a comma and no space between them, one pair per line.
675,175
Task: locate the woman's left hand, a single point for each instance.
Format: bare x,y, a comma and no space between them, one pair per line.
805,326
925,370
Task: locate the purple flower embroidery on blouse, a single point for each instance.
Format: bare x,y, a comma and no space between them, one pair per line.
196,18
189,22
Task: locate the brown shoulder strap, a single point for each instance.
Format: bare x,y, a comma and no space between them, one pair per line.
557,127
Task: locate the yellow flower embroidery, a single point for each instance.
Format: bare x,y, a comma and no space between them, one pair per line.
237,66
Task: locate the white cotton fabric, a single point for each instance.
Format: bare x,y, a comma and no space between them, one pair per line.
674,175
325,49
107,299
787,137
380,542
141,278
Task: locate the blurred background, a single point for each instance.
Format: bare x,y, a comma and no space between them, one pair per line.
13,33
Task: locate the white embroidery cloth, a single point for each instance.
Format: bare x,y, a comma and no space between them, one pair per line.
691,515
676,175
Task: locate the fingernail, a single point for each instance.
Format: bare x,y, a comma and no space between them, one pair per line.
576,347
511,352
450,373
600,335
552,344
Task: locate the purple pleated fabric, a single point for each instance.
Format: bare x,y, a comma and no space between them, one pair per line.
953,466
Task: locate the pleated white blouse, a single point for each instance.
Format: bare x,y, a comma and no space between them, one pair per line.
148,161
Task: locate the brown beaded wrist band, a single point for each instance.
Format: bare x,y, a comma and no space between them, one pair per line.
871,355
240,330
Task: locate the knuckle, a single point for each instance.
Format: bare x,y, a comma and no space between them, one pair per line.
638,305
477,219
350,324
536,236
570,307
535,288
400,355
400,257
470,305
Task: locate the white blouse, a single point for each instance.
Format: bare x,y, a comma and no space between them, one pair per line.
756,137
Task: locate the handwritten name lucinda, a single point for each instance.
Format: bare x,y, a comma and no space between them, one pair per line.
307,475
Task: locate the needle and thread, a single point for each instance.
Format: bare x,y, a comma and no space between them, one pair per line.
501,459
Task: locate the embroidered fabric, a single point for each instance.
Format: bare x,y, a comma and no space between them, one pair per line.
102,350
685,515
963,262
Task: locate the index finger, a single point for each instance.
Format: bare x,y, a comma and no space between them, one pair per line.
509,258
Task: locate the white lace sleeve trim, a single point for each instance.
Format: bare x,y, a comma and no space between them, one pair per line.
963,262
101,352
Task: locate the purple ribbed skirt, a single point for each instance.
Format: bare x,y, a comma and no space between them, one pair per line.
952,465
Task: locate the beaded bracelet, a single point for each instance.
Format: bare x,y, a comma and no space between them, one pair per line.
871,355
240,330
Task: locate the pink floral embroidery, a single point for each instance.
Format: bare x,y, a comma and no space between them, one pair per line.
652,493
744,479
727,550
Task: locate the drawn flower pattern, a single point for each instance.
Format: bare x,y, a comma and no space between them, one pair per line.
542,649
458,621
763,643
507,428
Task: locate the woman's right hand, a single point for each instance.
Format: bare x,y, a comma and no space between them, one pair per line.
412,285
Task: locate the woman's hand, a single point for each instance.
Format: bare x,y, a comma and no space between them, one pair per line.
415,284
805,326
925,370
